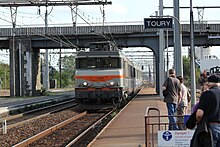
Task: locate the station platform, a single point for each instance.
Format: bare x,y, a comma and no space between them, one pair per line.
128,128
8,104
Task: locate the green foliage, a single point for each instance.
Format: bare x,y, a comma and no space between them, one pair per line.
67,72
4,76
187,72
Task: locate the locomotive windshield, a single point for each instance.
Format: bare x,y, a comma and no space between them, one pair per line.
93,63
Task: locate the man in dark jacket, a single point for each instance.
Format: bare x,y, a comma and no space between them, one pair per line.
209,107
172,84
202,136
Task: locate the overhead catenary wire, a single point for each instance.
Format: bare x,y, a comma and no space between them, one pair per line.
20,12
90,24
71,45
69,42
7,13
51,38
55,39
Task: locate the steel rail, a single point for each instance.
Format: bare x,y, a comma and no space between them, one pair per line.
30,140
36,110
74,141
34,118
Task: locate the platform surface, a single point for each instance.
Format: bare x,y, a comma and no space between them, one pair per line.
128,128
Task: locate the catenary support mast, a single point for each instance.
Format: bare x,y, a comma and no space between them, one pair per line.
13,7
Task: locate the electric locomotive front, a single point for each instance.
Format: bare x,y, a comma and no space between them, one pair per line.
99,76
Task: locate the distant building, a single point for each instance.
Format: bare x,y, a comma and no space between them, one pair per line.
201,52
209,62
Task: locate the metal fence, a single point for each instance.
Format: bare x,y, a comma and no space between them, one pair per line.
155,122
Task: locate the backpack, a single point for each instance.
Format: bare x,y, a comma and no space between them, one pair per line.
166,91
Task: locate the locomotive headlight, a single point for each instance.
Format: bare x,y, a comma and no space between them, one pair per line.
85,84
111,83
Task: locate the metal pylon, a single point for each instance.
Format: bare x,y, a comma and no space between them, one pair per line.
74,14
13,15
200,17
12,52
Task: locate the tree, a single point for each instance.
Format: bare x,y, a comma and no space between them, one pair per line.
187,72
4,76
67,71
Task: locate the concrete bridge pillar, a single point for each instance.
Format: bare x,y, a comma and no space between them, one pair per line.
27,68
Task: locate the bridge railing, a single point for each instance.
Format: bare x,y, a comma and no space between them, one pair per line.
70,30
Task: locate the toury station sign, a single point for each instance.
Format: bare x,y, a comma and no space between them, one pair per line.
151,23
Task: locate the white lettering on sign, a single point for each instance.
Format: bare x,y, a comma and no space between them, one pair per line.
158,23
179,138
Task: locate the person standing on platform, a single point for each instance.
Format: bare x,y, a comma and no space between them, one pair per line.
204,88
202,79
173,88
182,104
209,108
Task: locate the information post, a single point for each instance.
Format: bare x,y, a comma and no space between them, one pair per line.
179,138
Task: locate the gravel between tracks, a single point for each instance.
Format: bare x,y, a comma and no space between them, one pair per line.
22,132
64,135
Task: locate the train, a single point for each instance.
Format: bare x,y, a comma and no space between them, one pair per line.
104,75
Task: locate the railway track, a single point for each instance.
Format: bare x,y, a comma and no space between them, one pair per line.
56,128
85,137
67,133
24,125
15,120
30,128
53,135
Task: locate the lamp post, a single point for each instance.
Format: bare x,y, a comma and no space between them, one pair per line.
167,45
192,59
46,84
161,47
178,61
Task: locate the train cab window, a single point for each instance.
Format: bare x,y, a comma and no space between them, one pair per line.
108,62
82,63
112,62
90,63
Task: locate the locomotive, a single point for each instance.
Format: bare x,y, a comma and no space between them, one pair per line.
105,76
